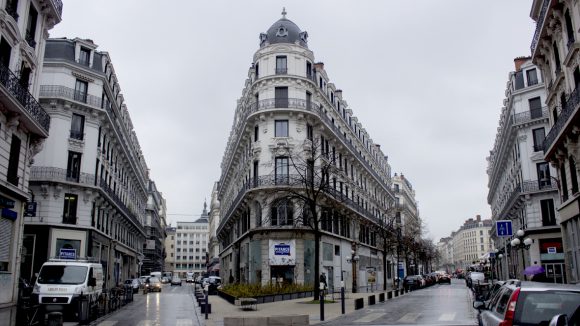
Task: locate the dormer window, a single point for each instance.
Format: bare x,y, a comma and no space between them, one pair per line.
84,57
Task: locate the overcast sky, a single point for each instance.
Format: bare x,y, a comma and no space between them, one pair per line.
425,78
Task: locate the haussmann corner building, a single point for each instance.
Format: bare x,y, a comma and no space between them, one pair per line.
289,104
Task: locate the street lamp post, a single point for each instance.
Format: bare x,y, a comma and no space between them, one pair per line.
520,243
353,260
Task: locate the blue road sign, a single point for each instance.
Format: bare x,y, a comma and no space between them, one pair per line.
503,228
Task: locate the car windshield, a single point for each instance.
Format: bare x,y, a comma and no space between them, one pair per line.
62,274
538,307
153,280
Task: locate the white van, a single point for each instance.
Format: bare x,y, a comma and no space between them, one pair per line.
60,282
189,277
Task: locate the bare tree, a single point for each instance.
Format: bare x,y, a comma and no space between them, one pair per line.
306,182
387,238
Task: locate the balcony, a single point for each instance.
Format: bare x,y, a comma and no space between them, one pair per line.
69,220
525,188
10,84
54,174
281,71
530,115
115,198
293,180
12,10
565,115
30,39
76,134
540,25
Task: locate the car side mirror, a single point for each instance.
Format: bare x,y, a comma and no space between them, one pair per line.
479,305
92,281
559,320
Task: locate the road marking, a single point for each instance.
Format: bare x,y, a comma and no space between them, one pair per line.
107,323
447,317
183,322
146,323
370,317
409,318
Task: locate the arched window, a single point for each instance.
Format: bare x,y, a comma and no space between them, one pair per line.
573,175
282,212
258,213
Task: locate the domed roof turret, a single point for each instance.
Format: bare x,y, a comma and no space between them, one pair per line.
284,31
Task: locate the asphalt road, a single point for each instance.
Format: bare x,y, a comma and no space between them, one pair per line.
173,306
437,305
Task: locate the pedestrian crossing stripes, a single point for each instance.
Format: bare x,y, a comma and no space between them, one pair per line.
178,322
370,317
447,317
409,318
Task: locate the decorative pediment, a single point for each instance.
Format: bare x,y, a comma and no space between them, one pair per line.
82,77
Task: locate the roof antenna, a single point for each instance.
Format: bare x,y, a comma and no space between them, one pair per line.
284,12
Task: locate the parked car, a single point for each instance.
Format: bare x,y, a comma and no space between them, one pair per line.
528,303
165,280
153,284
474,278
176,280
135,284
413,282
214,283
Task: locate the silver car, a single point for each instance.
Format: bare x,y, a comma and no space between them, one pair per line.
528,303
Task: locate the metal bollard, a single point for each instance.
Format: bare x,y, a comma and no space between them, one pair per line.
83,309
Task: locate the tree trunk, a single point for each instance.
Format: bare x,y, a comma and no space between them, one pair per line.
317,237
384,269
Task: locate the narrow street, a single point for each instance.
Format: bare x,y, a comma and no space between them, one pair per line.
174,305
441,304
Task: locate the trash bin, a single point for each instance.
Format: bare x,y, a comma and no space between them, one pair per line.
83,309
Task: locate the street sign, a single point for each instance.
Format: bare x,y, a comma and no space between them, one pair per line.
552,250
492,255
503,228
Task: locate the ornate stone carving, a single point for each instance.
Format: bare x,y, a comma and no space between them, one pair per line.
36,144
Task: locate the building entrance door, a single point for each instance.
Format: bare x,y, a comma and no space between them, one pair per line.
555,272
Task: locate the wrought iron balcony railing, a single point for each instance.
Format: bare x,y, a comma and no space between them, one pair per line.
567,110
281,71
293,180
48,173
30,39
12,10
540,25
12,84
526,187
58,6
105,187
530,115
71,94
69,220
76,134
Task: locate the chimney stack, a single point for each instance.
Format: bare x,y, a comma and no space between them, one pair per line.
519,61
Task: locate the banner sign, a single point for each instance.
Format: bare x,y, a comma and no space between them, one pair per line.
282,252
30,209
68,253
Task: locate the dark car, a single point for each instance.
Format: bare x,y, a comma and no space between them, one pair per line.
214,283
528,303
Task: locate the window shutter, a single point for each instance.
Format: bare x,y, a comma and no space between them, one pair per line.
5,239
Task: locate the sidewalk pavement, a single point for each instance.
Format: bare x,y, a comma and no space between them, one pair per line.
220,308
